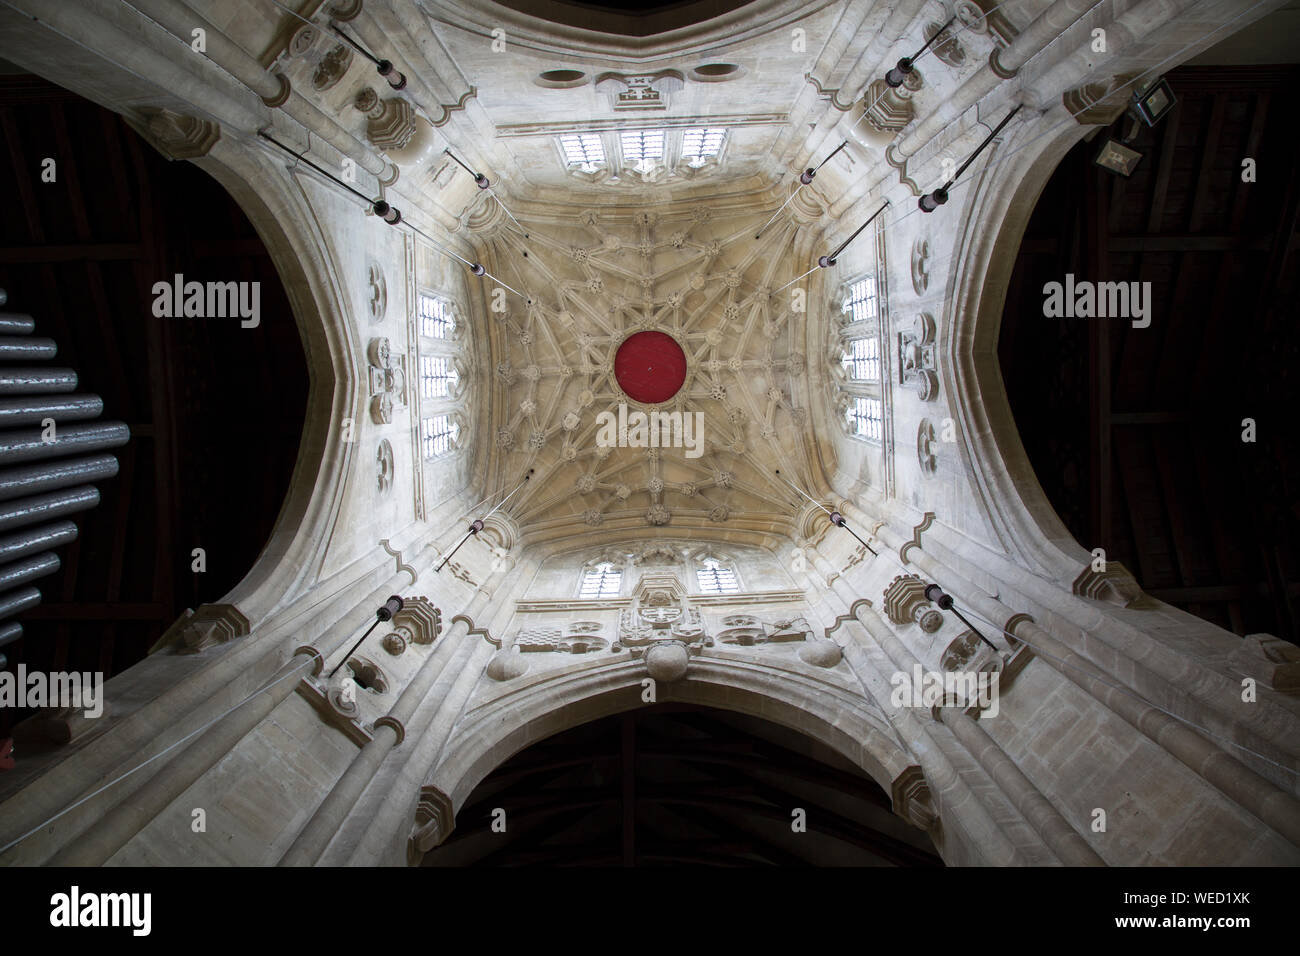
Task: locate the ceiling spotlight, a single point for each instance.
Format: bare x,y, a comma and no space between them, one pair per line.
392,74
1117,158
898,74
481,181
933,200
385,613
390,214
386,69
1153,100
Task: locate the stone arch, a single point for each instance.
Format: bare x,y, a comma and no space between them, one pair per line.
550,704
319,300
996,463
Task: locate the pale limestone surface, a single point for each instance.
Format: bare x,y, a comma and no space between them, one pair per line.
1126,707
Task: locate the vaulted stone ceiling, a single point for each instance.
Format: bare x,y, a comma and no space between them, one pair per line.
614,251
694,272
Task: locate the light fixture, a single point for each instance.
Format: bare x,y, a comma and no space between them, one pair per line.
898,75
933,200
385,68
1117,158
1153,100
385,613
478,524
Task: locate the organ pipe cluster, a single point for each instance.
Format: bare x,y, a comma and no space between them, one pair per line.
50,453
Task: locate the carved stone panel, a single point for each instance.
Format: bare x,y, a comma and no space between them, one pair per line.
927,451
376,292
385,469
920,265
387,376
916,358
640,91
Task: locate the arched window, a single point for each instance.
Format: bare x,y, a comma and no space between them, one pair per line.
643,149
438,435
860,380
438,376
860,302
583,150
601,581
861,359
701,144
716,578
866,418
436,320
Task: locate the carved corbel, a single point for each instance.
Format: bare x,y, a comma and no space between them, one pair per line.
1099,104
906,603
420,619
390,123
1269,659
196,631
912,799
1115,585
435,818
176,135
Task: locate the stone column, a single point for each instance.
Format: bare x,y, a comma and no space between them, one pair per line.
389,732
958,801
1278,809
1068,846
274,90
386,838
137,810
127,817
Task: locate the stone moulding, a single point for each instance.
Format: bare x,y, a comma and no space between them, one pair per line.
899,162
476,631
1115,585
912,798
906,603
1269,659
397,555
178,136
852,615
435,818
915,542
196,631
1099,104
421,618
335,711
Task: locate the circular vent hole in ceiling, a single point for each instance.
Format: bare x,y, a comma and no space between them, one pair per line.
713,72
561,79
650,367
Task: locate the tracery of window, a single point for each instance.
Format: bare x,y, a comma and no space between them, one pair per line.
438,435
601,581
642,148
438,376
866,418
436,320
715,578
583,150
861,359
860,303
701,143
